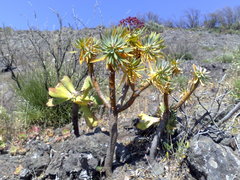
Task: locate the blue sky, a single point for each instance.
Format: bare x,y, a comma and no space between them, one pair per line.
19,14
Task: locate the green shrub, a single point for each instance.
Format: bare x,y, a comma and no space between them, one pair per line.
3,114
230,57
209,49
236,55
6,124
33,98
154,27
226,58
236,73
236,89
181,50
184,56
207,60
7,29
176,150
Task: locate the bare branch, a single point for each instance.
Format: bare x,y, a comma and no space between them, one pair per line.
78,20
230,114
134,95
219,101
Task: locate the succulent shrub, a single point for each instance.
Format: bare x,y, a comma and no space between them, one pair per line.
137,58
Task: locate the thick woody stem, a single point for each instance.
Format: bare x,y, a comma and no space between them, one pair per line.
96,85
75,109
112,89
157,137
160,128
112,123
166,101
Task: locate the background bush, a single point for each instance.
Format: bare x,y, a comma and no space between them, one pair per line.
236,89
236,74
5,121
33,97
154,27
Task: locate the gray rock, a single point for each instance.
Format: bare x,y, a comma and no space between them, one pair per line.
36,160
25,174
238,141
157,168
36,163
221,137
78,158
44,147
209,160
8,165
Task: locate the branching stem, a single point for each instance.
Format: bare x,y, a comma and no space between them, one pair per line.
134,95
96,85
187,95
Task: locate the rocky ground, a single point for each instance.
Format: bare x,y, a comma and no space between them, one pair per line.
212,153
56,154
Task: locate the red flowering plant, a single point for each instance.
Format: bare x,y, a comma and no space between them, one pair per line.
132,23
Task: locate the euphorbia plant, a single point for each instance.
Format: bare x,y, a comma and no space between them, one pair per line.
132,55
126,52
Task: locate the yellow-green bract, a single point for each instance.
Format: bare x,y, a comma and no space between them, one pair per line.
65,91
146,121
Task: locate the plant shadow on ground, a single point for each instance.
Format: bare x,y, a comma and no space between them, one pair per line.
138,149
